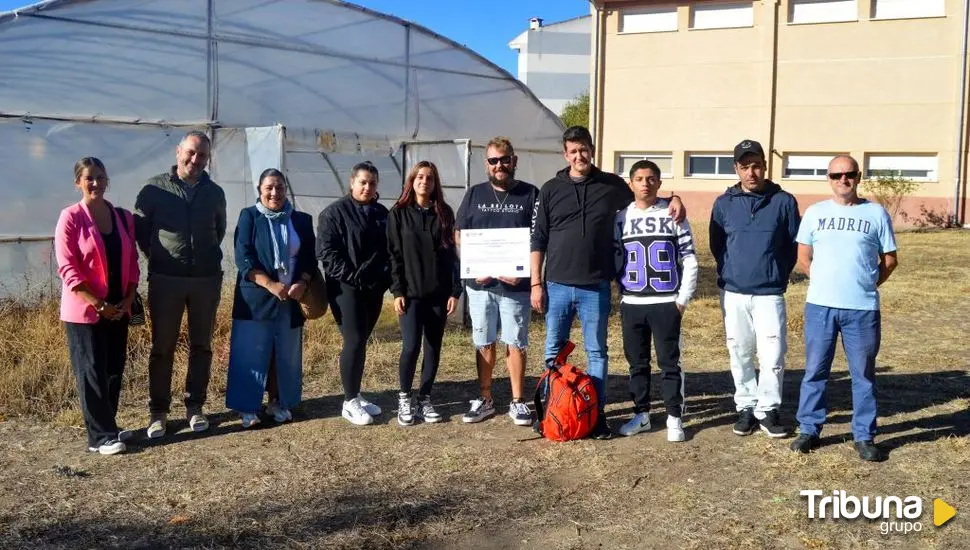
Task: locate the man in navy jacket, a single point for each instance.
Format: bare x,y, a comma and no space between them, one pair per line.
752,235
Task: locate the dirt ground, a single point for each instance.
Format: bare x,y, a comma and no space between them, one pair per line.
320,482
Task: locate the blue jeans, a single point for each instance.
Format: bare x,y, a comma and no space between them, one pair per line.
250,346
861,334
592,304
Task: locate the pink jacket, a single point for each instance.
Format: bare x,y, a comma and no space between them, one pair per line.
81,259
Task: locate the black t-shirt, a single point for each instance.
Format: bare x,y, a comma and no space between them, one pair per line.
112,249
485,207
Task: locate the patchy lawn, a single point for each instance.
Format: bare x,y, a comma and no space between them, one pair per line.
320,482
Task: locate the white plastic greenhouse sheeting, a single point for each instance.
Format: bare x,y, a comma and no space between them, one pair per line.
306,63
124,81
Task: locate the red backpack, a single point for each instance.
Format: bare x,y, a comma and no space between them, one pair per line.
566,403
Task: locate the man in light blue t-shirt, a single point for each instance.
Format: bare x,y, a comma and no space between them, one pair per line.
847,247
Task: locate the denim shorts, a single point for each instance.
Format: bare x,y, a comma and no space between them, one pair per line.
494,306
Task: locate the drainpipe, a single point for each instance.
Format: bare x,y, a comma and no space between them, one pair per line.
961,129
594,96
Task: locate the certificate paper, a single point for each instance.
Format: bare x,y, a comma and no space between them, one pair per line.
495,253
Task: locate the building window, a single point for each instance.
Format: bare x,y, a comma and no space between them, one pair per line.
823,11
722,16
625,161
914,167
906,9
807,167
714,165
654,19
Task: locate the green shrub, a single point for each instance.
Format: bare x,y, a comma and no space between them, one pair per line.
889,191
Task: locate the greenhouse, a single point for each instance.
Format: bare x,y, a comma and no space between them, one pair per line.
310,86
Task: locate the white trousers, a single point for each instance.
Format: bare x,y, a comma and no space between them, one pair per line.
756,325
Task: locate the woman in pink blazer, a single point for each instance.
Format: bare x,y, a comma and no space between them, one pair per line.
97,261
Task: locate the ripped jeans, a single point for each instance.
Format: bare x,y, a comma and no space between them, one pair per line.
756,325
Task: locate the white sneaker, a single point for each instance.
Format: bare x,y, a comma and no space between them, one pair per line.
639,423
480,410
249,420
371,408
279,414
109,447
520,414
675,429
198,422
354,412
156,426
426,410
405,410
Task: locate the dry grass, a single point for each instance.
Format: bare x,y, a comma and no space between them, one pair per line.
320,482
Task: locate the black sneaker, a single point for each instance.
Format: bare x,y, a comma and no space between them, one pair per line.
771,426
804,443
869,452
602,429
746,423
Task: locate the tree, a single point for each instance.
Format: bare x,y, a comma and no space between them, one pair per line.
576,112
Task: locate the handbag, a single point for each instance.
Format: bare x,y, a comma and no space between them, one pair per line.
313,303
137,315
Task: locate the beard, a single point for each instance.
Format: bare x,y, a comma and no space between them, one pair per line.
507,182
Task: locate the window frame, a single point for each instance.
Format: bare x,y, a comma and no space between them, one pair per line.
637,155
875,6
714,7
793,3
663,8
716,155
824,169
933,175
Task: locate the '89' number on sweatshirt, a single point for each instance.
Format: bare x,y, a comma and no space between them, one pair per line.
654,265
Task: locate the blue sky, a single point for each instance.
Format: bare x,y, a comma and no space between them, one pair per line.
486,27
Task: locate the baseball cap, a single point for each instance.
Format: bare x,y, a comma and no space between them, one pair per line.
748,146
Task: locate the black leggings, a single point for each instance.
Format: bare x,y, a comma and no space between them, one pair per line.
422,317
356,312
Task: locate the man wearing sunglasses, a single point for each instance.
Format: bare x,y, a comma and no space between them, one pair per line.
847,247
499,203
572,234
752,236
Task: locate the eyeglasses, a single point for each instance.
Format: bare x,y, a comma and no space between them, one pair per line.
505,159
836,176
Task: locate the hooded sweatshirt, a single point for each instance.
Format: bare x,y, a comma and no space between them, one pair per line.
422,266
573,226
752,237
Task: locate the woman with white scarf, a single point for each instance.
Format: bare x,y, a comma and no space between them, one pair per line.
274,249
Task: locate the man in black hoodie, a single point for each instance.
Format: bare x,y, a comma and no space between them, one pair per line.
752,236
572,233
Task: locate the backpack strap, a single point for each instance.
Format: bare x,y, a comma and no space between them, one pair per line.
537,401
567,348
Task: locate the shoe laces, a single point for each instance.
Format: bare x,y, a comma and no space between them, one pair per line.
477,405
356,407
426,407
404,405
520,408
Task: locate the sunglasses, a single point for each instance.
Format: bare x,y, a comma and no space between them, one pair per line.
836,176
506,159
